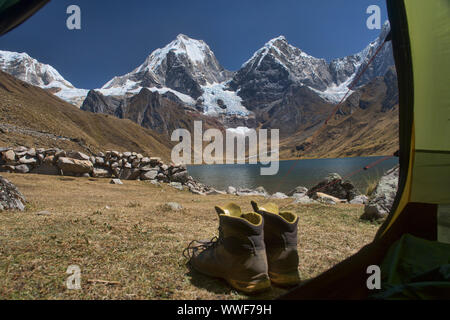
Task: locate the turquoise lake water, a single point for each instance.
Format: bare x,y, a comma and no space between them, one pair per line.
291,173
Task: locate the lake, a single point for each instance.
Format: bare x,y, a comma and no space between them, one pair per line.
291,174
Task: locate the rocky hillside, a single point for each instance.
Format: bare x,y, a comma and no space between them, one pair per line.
32,116
366,124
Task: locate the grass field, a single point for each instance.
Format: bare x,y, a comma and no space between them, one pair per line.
122,234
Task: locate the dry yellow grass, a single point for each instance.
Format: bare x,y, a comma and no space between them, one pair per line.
120,233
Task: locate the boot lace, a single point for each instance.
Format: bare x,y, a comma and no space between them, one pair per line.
201,245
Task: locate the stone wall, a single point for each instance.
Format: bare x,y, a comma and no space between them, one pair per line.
111,164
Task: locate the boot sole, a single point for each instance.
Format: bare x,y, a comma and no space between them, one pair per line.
290,279
247,287
252,287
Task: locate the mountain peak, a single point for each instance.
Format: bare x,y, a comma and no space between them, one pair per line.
280,38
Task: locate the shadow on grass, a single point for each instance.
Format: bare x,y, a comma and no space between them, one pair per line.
220,286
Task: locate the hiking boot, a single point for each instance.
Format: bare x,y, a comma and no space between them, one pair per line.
238,255
280,238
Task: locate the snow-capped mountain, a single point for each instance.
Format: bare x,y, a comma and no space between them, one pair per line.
27,69
268,74
187,68
186,71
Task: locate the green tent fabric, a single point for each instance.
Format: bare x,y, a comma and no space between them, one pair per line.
415,268
421,43
15,12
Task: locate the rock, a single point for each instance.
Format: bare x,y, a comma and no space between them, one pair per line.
326,198
20,149
116,181
77,155
60,153
381,200
176,185
9,156
127,154
182,177
114,165
297,190
155,182
10,197
244,192
45,168
23,168
302,198
214,192
149,175
145,161
49,160
26,160
155,161
127,165
334,186
361,199
31,152
74,166
7,168
173,206
101,173
231,190
129,174
279,195
99,161
262,191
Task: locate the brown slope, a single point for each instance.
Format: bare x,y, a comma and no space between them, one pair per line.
31,116
366,125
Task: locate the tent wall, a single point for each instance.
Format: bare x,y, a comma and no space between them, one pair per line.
420,36
15,12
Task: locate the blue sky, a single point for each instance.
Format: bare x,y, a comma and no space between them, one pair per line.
118,35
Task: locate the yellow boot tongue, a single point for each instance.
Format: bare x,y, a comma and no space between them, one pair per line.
273,208
233,210
270,207
230,209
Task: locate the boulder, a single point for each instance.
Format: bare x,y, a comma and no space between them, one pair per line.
176,185
116,181
326,198
297,190
99,161
231,190
74,166
361,199
23,168
155,161
279,195
381,200
31,152
262,191
46,168
334,186
149,175
10,197
77,155
182,176
27,160
302,198
9,156
101,173
129,174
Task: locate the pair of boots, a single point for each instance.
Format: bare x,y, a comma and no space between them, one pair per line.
252,250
